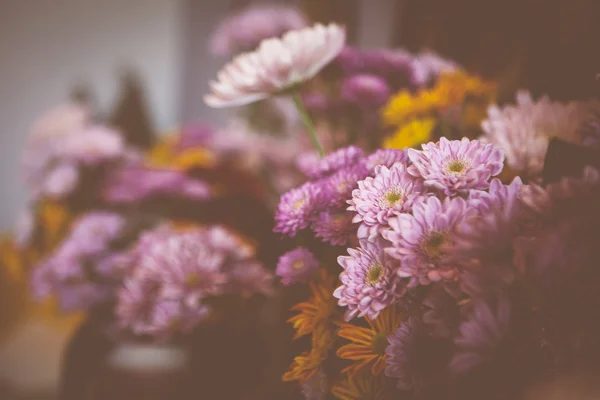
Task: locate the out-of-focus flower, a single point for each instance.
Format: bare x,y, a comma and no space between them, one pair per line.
276,65
421,239
390,192
402,352
367,92
319,313
481,333
61,121
362,386
385,157
24,228
316,388
411,134
369,281
296,209
334,227
245,30
342,158
524,130
94,145
60,180
296,265
136,182
428,66
368,347
456,166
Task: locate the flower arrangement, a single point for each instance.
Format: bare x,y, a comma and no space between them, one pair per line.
462,262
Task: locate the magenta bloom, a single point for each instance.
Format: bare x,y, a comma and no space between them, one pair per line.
333,162
390,192
245,30
386,157
369,281
296,209
335,227
338,187
296,265
136,182
456,166
95,145
368,92
421,240
402,353
481,333
59,181
249,278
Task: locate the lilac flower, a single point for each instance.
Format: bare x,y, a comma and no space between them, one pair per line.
334,227
245,30
523,131
390,192
297,208
94,145
481,333
442,311
456,166
369,281
95,230
60,181
365,91
250,278
420,240
402,352
428,66
386,157
135,182
338,187
333,162
296,265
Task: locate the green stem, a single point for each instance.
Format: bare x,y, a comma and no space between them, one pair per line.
308,123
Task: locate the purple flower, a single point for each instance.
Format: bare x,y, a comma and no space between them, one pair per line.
333,162
402,353
428,66
481,333
60,181
296,209
94,231
456,166
94,145
421,240
135,182
249,278
334,227
338,187
296,265
369,281
365,91
244,31
390,192
386,157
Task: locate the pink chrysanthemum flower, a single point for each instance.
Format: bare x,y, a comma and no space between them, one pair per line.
296,265
297,208
386,157
276,65
390,192
342,158
249,278
524,130
481,333
402,352
420,240
335,227
245,30
94,145
456,166
369,281
338,188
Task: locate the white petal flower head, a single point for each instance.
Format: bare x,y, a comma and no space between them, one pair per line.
277,65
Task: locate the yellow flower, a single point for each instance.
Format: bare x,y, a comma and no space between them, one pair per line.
307,364
54,221
412,134
405,106
364,386
12,260
368,344
166,154
319,310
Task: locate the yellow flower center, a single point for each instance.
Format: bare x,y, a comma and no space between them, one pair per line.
374,274
434,243
379,343
393,197
192,280
457,166
298,203
299,264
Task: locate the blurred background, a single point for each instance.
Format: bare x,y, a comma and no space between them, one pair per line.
148,60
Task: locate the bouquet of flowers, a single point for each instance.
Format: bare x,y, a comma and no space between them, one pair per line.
468,275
